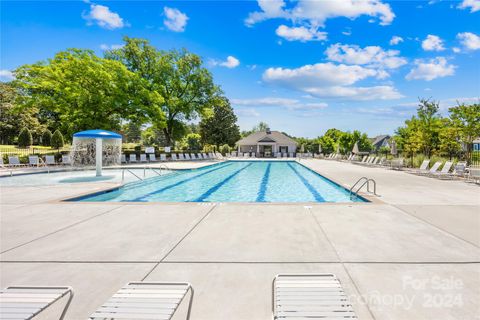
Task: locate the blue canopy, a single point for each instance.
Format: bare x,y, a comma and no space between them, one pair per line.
97,133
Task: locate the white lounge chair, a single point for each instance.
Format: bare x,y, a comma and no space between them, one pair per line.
66,160
199,156
145,300
174,157
26,302
278,155
290,155
397,164
33,161
432,170
309,296
2,165
445,172
193,157
474,174
210,155
246,155
187,156
181,157
123,158
132,158
50,160
13,161
423,167
253,154
163,157
460,169
204,155
152,157
143,157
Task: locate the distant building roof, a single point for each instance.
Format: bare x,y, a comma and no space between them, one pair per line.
263,136
380,141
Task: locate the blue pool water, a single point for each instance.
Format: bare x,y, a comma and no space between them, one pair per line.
233,181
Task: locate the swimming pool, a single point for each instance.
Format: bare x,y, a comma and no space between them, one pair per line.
233,181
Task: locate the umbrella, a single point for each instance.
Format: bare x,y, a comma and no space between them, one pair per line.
302,148
319,148
338,149
355,148
393,148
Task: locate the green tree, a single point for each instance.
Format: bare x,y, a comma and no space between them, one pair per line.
220,127
225,149
132,131
193,141
449,139
466,119
82,91
429,125
57,140
25,138
12,119
47,138
178,76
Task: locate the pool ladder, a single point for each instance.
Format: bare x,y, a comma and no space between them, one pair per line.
157,171
364,181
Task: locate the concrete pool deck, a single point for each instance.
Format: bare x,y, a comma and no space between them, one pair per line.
415,254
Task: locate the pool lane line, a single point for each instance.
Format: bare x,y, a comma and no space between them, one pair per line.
178,183
155,179
219,185
307,184
263,184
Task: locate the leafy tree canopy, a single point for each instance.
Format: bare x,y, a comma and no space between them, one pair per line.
220,128
177,76
82,91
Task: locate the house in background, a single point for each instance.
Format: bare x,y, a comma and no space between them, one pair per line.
380,141
267,143
476,144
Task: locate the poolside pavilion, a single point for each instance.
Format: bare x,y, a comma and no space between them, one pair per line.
267,143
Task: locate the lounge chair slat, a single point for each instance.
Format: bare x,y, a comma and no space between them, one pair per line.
145,300
5,316
310,296
152,291
106,315
143,310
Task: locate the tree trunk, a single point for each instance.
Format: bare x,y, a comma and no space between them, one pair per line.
168,137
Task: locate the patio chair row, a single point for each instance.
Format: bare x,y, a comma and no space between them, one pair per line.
294,296
35,161
132,158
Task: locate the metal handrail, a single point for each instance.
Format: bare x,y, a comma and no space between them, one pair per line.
366,181
130,171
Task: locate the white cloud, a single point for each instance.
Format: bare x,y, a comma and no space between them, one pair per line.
373,56
432,43
469,40
6,75
300,33
102,16
456,49
330,80
431,69
474,5
230,63
307,15
106,47
317,12
250,112
175,20
395,40
290,104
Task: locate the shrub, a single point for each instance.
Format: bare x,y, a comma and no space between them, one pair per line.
57,140
208,148
25,138
225,149
47,138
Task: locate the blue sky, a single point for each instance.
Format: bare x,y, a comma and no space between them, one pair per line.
303,67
